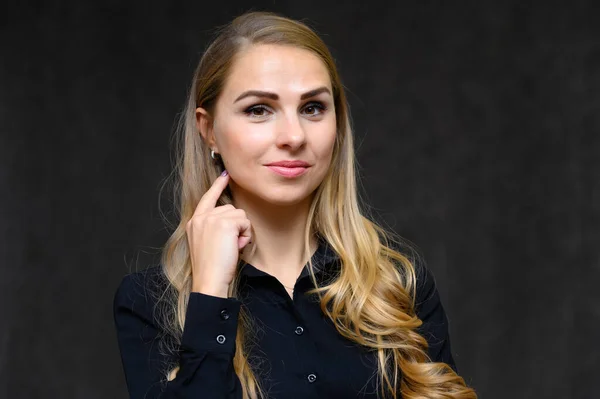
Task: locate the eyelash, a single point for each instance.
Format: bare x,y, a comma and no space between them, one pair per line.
316,104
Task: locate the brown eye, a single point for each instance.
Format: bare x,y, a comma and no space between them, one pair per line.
314,108
256,111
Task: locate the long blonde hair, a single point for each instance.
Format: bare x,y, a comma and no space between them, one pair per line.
371,302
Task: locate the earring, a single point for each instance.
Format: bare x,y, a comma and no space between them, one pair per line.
212,154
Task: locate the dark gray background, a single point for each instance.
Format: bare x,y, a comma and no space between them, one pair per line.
477,136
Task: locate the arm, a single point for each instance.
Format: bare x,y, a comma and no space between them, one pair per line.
205,361
429,309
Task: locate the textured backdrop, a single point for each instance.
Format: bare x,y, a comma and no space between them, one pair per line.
477,127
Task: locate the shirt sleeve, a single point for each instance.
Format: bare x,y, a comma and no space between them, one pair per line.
430,310
205,355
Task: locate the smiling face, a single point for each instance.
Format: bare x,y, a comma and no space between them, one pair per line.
276,105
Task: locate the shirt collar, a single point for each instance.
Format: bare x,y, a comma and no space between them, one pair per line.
322,260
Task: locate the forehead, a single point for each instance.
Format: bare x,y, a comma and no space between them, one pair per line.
284,70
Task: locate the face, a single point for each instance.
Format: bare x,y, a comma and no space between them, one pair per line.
276,105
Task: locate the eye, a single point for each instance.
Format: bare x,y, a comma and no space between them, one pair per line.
314,108
257,111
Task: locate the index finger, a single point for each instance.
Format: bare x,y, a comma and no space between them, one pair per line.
210,198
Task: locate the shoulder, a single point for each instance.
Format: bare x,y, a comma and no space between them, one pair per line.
427,298
430,310
425,283
138,293
424,279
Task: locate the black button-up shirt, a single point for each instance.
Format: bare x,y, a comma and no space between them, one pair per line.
297,352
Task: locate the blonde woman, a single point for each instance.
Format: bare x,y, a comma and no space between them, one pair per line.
274,284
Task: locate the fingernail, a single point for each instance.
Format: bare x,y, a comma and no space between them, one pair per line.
224,173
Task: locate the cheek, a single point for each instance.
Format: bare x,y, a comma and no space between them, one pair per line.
243,147
325,141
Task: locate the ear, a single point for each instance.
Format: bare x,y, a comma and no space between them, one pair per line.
204,124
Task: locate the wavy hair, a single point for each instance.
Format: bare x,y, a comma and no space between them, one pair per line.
372,299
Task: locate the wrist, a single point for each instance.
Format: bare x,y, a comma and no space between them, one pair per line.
221,291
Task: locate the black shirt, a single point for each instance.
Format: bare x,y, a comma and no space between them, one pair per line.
297,351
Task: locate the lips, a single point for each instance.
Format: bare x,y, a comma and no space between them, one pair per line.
290,164
288,172
289,168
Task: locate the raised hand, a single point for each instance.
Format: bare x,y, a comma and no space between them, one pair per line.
216,235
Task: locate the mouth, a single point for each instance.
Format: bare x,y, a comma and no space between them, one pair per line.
289,172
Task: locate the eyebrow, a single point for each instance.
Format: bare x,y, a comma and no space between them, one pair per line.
273,96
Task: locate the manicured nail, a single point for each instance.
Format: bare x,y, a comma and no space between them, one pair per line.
224,173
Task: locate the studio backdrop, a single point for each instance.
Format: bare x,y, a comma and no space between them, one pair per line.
477,136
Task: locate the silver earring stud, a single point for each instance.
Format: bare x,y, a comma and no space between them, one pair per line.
212,154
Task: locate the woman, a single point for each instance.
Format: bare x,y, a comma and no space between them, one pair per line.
274,284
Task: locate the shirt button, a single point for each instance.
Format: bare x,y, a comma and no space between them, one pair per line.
311,378
221,339
299,330
224,314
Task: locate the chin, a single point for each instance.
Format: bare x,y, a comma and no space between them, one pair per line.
285,201
278,195
284,197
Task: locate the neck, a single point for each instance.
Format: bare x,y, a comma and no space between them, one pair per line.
278,236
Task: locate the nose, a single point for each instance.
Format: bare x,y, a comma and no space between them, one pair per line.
290,132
